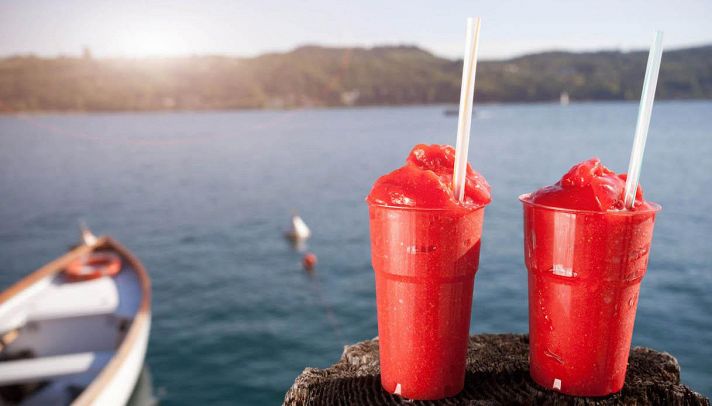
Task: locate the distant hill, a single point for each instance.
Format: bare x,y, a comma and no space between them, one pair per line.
319,76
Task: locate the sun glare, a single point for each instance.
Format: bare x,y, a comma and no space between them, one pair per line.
150,41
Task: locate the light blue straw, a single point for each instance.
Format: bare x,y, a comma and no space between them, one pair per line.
644,113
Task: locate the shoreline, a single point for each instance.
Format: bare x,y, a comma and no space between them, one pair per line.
38,113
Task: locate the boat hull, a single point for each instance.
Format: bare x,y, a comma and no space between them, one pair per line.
53,308
118,389
114,385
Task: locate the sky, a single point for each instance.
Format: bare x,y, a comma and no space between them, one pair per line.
134,28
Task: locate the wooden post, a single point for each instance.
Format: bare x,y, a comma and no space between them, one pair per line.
497,373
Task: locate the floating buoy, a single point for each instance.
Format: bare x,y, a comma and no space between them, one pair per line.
309,261
299,231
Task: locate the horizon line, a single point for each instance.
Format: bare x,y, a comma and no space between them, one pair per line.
82,52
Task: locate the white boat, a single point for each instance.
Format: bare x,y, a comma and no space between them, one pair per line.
74,341
299,230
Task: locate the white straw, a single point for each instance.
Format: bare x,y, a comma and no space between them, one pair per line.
469,67
644,113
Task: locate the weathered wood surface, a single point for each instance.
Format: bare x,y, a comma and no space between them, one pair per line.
497,373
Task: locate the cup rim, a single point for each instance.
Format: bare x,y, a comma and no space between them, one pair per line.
426,209
524,198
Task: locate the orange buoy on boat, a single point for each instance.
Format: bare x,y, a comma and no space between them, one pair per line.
309,261
92,266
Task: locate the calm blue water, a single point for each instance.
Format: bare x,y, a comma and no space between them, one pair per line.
202,199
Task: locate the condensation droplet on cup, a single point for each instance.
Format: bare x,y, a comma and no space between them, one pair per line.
549,323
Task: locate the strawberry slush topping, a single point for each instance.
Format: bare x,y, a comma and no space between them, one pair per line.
425,181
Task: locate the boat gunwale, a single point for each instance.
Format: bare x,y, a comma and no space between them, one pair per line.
140,320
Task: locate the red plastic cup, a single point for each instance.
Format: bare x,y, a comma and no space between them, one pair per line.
585,269
425,262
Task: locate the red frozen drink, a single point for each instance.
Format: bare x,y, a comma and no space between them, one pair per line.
425,248
586,257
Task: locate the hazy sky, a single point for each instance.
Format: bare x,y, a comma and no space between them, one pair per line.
161,28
